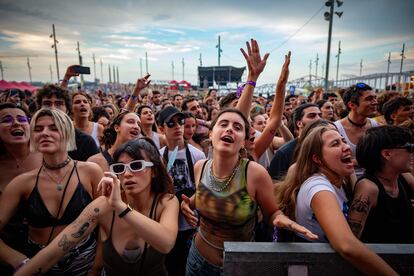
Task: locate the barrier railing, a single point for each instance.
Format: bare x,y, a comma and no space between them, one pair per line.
293,259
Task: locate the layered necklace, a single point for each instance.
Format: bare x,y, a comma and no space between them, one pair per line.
56,180
219,185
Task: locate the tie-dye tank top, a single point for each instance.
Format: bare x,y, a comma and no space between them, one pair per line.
228,215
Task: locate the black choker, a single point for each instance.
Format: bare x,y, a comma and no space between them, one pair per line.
58,166
355,124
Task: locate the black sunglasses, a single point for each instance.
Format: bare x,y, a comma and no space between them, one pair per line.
171,123
408,147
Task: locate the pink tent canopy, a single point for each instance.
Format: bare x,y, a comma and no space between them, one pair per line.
4,85
185,84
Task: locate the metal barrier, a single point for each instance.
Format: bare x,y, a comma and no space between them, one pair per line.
293,259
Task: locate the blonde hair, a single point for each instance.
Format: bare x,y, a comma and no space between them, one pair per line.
286,192
63,124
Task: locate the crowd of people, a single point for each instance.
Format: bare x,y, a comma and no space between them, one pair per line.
154,182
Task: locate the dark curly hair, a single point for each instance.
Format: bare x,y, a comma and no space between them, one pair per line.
49,90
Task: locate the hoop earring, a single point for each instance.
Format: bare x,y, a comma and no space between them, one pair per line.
243,152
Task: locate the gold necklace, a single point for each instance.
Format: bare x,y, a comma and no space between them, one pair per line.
214,182
59,185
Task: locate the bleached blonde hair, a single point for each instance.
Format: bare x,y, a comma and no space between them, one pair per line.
63,124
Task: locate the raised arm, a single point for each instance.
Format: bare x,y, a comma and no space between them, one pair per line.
255,66
70,72
341,238
141,84
65,241
286,137
276,113
160,235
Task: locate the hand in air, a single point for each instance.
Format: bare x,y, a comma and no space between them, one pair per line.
109,186
255,63
70,71
285,69
142,82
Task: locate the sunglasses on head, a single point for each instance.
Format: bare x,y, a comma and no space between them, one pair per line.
408,147
134,166
361,86
171,123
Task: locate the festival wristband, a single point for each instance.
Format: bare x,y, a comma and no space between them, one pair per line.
241,87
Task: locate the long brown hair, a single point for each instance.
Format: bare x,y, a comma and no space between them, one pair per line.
286,192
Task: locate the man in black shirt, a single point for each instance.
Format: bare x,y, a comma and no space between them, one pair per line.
302,115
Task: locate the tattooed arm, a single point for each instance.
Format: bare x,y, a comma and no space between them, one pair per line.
365,197
66,240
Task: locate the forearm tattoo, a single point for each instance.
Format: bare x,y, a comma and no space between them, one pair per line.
359,210
361,205
356,227
90,218
65,243
81,231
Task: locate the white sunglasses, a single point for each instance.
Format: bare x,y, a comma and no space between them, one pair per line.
134,166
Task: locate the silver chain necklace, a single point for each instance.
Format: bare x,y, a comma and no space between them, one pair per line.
59,185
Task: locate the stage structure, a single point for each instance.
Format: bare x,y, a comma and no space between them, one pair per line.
213,76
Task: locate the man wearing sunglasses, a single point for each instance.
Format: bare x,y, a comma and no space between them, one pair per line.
179,158
361,103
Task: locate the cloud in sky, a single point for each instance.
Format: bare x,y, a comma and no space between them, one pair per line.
120,32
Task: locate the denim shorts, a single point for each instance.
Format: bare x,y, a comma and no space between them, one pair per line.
198,266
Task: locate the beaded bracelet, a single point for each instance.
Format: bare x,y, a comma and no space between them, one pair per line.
241,87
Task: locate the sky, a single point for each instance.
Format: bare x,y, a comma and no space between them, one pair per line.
120,33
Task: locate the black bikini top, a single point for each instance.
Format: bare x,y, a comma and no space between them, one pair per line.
39,216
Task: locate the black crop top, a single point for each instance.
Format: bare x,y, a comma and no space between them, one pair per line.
39,216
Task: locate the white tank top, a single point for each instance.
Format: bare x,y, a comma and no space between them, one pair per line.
156,139
94,134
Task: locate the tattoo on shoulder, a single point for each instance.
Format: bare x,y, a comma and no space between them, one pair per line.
361,205
65,243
